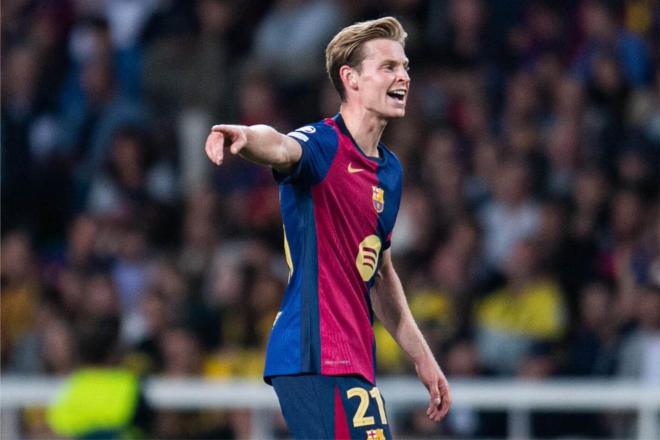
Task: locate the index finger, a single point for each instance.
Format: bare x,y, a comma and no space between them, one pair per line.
222,128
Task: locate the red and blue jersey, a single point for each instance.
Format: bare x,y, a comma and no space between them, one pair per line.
339,207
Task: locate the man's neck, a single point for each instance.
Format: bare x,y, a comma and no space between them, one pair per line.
364,126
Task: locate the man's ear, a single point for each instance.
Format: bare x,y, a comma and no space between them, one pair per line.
347,75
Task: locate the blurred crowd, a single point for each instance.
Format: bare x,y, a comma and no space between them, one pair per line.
528,238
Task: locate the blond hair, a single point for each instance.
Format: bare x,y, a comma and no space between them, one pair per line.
346,48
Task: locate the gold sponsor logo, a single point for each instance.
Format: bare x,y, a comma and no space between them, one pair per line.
367,257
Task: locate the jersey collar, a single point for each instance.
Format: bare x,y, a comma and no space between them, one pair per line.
342,127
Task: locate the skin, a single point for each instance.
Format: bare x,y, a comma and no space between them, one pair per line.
366,110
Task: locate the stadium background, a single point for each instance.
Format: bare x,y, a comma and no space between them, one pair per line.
528,239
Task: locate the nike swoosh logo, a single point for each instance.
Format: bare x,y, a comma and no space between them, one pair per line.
354,170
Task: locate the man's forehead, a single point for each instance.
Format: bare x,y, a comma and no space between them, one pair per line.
384,48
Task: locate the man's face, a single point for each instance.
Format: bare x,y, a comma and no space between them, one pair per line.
382,80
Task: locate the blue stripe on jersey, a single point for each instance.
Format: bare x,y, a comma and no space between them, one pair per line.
310,329
295,341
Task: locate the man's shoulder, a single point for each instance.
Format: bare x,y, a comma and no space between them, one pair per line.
321,131
391,158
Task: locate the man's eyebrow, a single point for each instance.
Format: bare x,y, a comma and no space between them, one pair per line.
405,61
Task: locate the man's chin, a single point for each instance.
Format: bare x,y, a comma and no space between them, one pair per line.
395,113
391,113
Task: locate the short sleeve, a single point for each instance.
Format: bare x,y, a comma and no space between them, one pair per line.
388,242
393,204
319,144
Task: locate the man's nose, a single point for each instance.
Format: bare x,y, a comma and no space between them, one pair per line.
402,74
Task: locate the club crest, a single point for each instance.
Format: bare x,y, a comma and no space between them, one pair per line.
378,199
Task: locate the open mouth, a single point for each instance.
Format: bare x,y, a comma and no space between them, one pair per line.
399,95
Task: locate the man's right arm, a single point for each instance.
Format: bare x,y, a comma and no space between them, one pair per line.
261,144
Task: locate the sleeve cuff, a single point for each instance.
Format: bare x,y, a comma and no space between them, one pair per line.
294,173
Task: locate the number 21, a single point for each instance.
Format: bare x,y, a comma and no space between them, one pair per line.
359,419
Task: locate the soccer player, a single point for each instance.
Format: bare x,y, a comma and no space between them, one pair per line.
340,190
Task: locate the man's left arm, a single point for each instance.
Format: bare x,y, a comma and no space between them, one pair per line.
390,305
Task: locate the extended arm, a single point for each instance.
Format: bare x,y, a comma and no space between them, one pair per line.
258,143
391,307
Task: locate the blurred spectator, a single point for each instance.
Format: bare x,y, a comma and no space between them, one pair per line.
189,56
526,315
134,183
181,353
458,37
182,357
297,66
49,349
588,221
594,348
19,109
89,125
126,20
130,276
522,101
483,171
100,400
414,235
627,215
81,253
444,174
145,355
21,290
564,154
101,299
640,352
511,215
571,258
120,191
604,33
307,27
200,235
634,169
645,114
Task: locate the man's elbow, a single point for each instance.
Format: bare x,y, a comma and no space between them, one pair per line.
286,154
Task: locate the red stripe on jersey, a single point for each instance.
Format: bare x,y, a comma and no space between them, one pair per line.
344,216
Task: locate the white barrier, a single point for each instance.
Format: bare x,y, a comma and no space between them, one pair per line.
516,397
